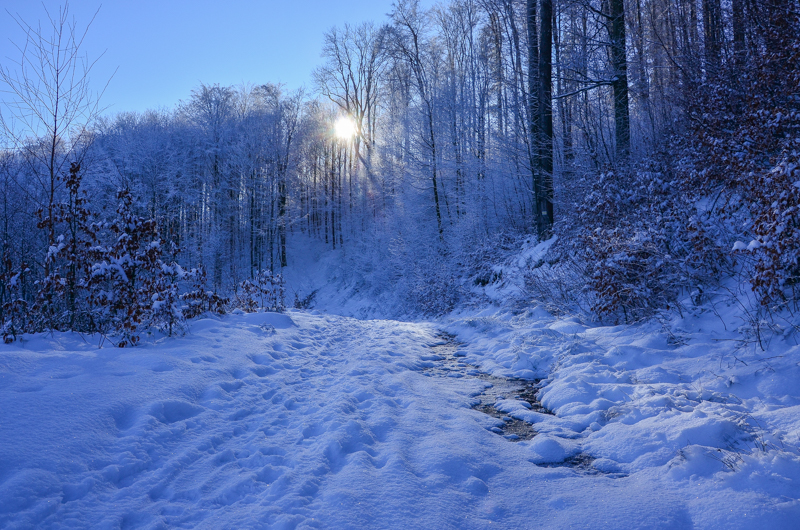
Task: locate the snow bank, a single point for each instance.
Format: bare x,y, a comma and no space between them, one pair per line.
316,421
687,405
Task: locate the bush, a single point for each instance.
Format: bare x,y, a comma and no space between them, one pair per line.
265,291
433,289
745,142
198,299
642,243
14,311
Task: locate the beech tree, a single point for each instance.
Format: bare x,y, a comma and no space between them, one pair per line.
545,141
619,82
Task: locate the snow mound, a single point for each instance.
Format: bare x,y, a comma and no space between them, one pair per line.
547,449
276,320
685,404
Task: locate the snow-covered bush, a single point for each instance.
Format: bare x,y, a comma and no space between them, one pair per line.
434,287
641,244
776,229
198,298
746,143
61,302
112,277
265,291
121,277
131,287
14,309
559,284
481,259
166,312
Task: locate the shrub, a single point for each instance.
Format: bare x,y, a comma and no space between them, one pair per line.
745,142
264,291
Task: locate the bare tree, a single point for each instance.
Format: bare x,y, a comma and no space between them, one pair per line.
619,62
713,32
540,105
533,103
351,76
409,47
50,102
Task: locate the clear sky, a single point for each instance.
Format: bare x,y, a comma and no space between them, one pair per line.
162,49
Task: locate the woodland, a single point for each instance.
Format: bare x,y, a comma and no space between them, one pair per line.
657,142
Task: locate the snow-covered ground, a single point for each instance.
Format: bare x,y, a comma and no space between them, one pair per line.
310,420
711,423
307,420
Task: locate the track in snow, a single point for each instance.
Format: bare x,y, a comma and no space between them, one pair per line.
449,362
259,421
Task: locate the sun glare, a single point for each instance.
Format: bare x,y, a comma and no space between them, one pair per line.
345,128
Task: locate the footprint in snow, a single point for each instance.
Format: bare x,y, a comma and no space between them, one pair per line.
162,367
174,411
231,386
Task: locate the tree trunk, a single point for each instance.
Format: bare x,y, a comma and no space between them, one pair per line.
282,220
622,127
434,175
712,30
545,199
533,107
564,104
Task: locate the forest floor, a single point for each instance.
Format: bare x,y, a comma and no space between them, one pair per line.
310,420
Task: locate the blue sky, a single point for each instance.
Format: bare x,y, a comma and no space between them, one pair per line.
161,49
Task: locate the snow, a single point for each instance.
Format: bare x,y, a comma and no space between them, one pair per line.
331,283
534,251
706,414
511,271
312,420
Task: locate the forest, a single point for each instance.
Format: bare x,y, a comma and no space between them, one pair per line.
657,142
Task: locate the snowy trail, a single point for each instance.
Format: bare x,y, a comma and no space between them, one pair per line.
273,421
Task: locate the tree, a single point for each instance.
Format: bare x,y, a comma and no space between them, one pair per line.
408,46
619,81
211,111
737,8
533,107
51,103
545,143
61,297
713,32
540,105
351,76
45,116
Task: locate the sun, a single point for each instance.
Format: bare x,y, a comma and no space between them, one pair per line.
345,128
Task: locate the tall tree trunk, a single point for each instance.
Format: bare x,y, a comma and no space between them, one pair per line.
564,104
712,32
497,37
622,121
533,107
282,220
253,224
432,140
545,200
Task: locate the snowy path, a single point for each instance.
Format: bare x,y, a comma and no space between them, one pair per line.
324,422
